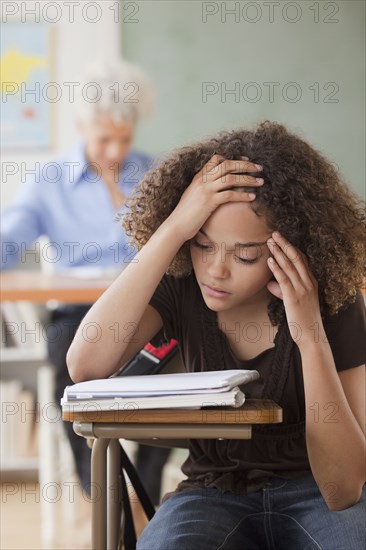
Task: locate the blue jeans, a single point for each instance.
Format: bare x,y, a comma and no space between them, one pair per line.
286,514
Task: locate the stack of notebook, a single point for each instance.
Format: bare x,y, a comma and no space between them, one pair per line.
162,391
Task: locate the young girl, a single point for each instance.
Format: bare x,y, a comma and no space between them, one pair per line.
272,283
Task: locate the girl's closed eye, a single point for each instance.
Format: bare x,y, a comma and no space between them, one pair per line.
245,260
199,245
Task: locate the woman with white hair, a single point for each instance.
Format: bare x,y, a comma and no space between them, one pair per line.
111,99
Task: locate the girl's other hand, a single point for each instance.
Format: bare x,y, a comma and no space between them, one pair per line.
212,186
296,285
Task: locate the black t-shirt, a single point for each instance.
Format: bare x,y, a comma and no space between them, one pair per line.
242,466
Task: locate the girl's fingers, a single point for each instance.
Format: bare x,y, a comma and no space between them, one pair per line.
237,181
280,276
220,169
233,175
234,196
289,259
211,165
240,166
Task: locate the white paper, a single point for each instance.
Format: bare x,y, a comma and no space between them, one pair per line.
160,384
234,398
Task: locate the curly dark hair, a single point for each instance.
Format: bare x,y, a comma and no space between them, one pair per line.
303,196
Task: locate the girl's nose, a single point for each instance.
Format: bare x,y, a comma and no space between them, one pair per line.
217,267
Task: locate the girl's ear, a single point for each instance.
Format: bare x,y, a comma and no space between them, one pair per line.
275,288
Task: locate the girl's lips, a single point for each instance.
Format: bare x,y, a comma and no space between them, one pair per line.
216,293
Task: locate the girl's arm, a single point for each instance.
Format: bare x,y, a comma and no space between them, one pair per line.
334,438
104,333
95,351
334,426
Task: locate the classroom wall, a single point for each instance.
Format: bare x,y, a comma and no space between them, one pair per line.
197,52
200,52
77,41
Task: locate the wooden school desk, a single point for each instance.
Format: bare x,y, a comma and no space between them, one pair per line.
106,427
38,287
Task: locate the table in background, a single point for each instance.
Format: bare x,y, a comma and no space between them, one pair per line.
35,286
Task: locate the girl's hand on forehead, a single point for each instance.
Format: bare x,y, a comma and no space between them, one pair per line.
296,285
219,181
239,175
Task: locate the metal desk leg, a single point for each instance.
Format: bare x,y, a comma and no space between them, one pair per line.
114,495
99,493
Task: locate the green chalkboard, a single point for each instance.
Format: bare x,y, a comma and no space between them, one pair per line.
219,65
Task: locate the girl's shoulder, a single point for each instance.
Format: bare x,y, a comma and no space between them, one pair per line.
349,315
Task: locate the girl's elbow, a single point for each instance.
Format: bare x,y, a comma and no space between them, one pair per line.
75,367
351,500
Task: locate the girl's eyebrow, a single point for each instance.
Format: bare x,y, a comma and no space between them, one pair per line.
250,243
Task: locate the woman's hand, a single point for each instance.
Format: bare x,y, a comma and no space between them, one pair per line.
209,189
297,287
